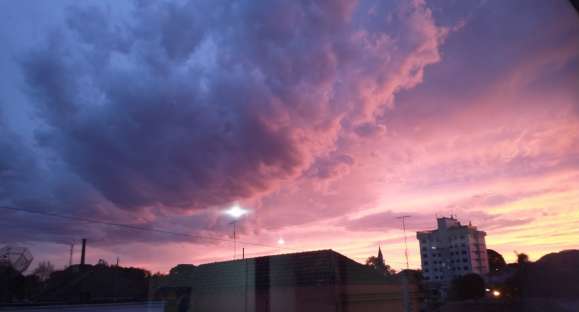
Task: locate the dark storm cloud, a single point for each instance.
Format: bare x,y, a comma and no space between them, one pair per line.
12,159
200,104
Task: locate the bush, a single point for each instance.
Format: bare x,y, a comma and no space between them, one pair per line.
466,287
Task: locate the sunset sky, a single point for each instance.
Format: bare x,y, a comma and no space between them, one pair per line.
327,120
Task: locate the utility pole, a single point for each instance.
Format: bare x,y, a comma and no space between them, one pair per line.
235,212
245,282
405,294
234,239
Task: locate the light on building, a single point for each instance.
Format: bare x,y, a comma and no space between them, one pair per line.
496,293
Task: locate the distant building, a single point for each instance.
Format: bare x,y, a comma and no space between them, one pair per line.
452,250
308,281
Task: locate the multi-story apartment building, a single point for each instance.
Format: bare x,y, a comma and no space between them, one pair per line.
452,250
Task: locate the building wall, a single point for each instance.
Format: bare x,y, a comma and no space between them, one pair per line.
373,298
275,299
350,298
478,253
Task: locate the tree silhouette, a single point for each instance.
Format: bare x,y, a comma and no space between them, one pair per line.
522,258
496,261
43,270
469,286
379,265
15,287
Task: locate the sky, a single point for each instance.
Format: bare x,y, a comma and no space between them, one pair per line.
326,120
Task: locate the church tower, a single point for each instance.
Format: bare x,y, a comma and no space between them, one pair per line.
380,257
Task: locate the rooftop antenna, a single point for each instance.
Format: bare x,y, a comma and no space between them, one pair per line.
403,218
405,294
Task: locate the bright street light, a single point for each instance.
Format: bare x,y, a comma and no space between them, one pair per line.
236,212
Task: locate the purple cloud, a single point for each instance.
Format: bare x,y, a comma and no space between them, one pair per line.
180,109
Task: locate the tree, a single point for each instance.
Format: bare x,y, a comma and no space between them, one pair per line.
102,262
15,287
469,286
496,261
522,258
43,270
518,284
379,265
182,269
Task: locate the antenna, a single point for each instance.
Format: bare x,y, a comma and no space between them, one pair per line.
403,218
406,295
70,255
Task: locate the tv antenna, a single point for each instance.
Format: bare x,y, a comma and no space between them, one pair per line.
403,218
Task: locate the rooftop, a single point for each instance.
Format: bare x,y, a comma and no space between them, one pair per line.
449,224
312,268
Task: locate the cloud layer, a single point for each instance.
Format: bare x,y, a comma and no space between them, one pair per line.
172,107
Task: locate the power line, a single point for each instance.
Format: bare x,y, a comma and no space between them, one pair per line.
137,228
